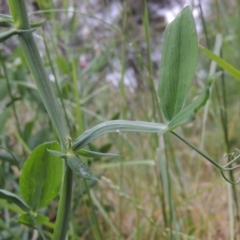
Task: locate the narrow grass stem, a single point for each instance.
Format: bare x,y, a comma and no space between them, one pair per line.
80,126
149,60
11,96
204,24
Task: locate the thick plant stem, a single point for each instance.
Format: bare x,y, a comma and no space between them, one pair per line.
61,225
44,87
34,61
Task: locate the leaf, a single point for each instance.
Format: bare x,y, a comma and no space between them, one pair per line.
14,198
79,167
115,116
63,64
117,126
87,153
3,119
6,21
28,130
105,148
7,34
34,220
57,153
12,31
221,62
38,24
41,176
3,91
27,219
4,17
178,63
189,112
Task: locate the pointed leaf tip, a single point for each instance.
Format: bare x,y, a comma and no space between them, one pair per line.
79,167
14,198
178,63
94,154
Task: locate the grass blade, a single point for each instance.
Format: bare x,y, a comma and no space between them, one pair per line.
221,62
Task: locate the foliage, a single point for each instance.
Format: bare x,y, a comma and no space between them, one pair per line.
47,166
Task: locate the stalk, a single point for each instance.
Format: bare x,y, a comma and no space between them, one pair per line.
56,79
35,64
34,61
61,225
149,61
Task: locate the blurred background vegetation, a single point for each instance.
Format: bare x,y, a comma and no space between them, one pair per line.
103,58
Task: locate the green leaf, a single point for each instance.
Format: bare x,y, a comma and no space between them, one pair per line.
27,219
34,220
3,119
93,154
7,34
105,148
57,153
14,198
41,176
28,130
63,64
117,126
6,21
4,17
178,63
189,112
37,24
221,62
3,90
79,167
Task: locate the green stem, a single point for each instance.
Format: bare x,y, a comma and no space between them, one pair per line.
61,225
80,127
204,24
56,79
149,60
203,154
34,61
